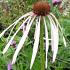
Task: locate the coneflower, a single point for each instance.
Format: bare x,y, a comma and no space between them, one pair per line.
41,10
56,2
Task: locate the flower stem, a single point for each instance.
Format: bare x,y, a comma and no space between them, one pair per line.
42,45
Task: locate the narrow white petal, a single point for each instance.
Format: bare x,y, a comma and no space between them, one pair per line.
54,37
64,41
15,23
51,31
10,32
24,28
56,21
47,41
20,45
36,27
36,43
7,46
59,27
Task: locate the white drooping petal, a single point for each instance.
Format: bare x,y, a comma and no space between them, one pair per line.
54,37
47,41
60,28
36,43
36,27
10,32
64,41
24,27
20,45
7,46
15,23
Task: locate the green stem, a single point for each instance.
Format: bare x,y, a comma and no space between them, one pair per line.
42,45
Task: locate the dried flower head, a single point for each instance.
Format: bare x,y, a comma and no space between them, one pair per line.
41,8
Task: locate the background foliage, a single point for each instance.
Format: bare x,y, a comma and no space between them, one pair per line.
11,10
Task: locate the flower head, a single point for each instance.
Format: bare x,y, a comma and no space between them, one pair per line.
9,67
40,10
56,2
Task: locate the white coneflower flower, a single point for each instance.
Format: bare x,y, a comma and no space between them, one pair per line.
40,10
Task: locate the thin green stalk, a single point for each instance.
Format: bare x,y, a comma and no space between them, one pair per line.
42,46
